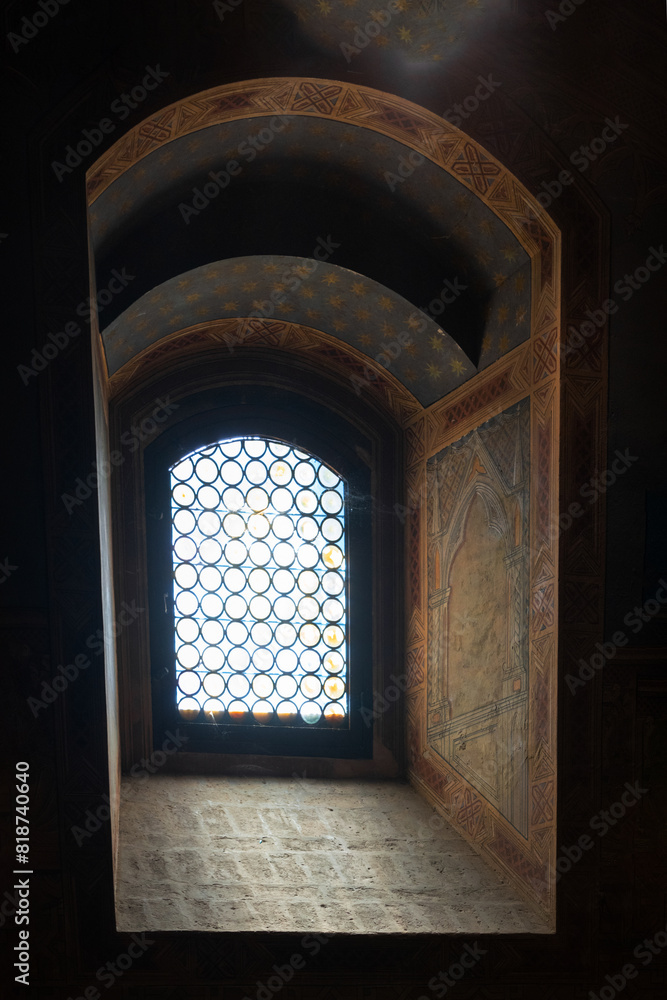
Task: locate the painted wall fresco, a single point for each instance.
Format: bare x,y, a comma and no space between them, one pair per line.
478,565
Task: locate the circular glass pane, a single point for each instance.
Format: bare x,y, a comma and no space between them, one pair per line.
285,634
183,470
238,685
309,635
259,580
233,499
211,551
235,553
334,688
187,629
232,448
284,581
213,658
328,477
286,710
306,501
332,529
280,473
255,473
308,608
304,473
259,526
184,548
334,712
331,502
210,578
286,660
255,447
278,449
311,686
212,632
188,656
282,526
206,470
257,499
214,685
281,500
211,605
311,713
261,634
185,575
308,556
260,608
332,557
184,521
310,661
333,662
238,658
231,473
262,660
233,525
333,583
259,553
283,553
188,708
235,606
183,495
308,582
286,686
189,682
333,635
234,580
208,497
237,633
307,528
208,523
262,685
262,711
284,608
333,610
186,603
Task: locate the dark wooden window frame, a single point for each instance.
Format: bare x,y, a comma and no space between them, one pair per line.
248,411
200,384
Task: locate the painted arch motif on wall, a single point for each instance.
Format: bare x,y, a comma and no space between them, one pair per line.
509,378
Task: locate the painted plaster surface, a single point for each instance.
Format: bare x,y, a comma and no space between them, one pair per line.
301,855
478,554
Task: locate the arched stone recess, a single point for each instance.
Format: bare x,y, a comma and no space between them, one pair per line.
492,236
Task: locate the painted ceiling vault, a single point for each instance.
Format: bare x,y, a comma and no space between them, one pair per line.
208,222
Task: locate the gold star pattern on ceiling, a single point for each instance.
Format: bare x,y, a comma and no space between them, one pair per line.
249,286
308,293
503,343
337,301
365,339
499,279
362,314
385,303
358,288
240,268
457,366
433,370
230,306
436,343
503,313
510,254
519,282
330,279
486,342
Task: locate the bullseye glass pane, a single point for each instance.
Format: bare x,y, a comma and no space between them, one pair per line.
253,521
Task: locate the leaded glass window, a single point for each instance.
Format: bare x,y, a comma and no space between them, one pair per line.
259,558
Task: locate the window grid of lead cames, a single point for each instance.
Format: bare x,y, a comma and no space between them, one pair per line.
258,538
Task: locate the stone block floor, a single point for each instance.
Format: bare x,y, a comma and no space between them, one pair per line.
303,856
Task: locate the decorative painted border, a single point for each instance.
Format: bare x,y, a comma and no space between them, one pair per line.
320,346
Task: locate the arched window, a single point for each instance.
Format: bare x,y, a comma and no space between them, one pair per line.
260,575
